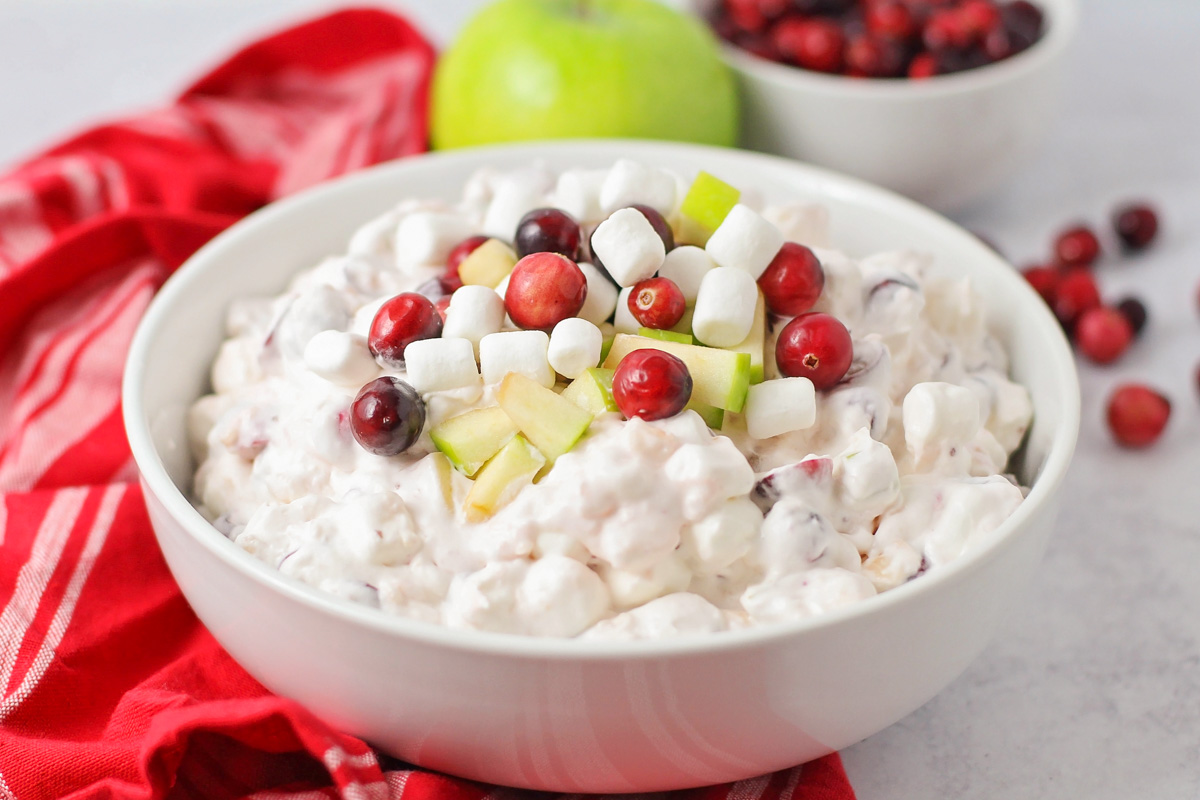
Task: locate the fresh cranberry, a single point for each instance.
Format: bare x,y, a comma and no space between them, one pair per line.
657,303
1023,21
398,323
451,280
980,17
1103,334
441,304
814,44
1137,415
997,45
793,280
1045,281
543,290
1136,226
923,65
890,18
660,225
944,30
547,230
1135,312
1076,247
1076,294
815,346
873,57
651,384
387,416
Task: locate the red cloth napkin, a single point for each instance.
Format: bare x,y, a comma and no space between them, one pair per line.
111,688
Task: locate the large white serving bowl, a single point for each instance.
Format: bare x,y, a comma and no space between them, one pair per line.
943,141
568,715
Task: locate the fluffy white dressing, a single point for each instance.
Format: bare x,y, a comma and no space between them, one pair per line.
644,529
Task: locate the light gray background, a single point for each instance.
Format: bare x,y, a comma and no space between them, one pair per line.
1092,688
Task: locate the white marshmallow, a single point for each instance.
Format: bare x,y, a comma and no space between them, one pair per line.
341,358
514,196
629,183
780,406
687,266
374,238
724,307
575,345
437,365
936,412
578,193
524,352
473,313
601,297
745,240
427,237
623,320
806,223
628,246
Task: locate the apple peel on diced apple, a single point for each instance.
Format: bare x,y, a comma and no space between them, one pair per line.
720,378
506,474
592,391
552,423
470,439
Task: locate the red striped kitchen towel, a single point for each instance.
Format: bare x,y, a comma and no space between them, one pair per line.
110,687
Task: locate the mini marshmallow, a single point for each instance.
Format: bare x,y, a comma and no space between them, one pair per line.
628,246
623,320
513,197
440,364
473,313
601,297
341,358
725,307
806,223
578,193
745,240
629,183
687,266
427,237
374,238
524,352
936,412
780,406
575,345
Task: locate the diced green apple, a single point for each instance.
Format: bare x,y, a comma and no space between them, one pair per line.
665,336
470,439
712,416
551,422
705,206
592,391
506,474
720,378
685,322
756,341
488,264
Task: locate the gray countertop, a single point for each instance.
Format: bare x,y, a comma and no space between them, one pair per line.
1092,687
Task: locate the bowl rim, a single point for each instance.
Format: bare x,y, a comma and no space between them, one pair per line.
182,283
1060,32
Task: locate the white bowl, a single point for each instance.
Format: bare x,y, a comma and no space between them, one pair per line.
943,141
579,716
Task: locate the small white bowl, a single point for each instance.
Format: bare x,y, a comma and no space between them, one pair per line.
943,141
587,716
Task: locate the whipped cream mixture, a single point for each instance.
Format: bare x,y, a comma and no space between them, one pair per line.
644,529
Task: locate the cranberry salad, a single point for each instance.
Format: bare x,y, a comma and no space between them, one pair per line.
608,403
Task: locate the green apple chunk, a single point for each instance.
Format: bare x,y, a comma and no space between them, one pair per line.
470,439
488,264
706,205
755,342
712,416
665,336
592,391
720,378
508,472
548,420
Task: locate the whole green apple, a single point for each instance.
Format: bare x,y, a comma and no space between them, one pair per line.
542,69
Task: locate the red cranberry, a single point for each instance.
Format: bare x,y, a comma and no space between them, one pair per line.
547,230
1077,247
1044,280
923,65
745,15
997,45
399,322
980,17
815,346
657,303
451,281
793,280
890,18
651,384
543,290
873,57
1135,312
441,304
1136,226
387,416
944,30
1023,21
814,44
1076,294
1137,415
660,225
1103,334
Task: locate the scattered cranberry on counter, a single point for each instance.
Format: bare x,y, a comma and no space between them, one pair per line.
1136,225
387,416
544,289
651,384
398,323
1077,293
1135,312
1103,334
793,280
1077,247
657,303
451,281
816,346
1137,415
1045,282
547,230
